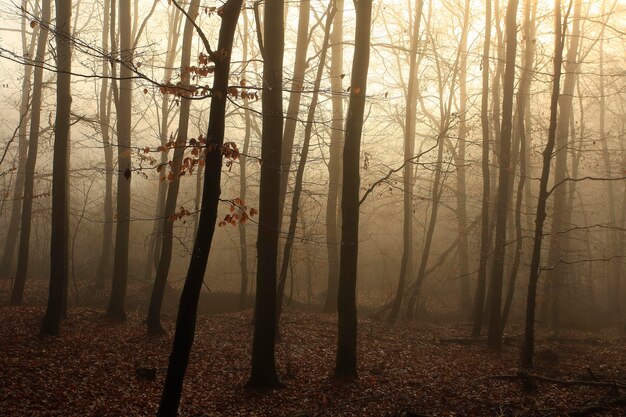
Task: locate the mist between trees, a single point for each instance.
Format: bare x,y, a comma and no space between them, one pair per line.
420,160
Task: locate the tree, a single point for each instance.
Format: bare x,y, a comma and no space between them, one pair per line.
116,310
485,235
60,175
346,361
188,306
406,262
502,201
529,330
334,159
295,202
28,47
33,145
263,373
167,232
558,242
104,117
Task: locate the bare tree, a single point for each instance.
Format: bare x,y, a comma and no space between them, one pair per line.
59,257
263,372
188,306
346,361
33,146
529,331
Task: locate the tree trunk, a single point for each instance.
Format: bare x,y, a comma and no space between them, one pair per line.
460,167
495,329
60,176
293,109
104,118
346,361
33,145
558,242
485,235
243,188
167,231
519,135
334,159
116,310
263,373
156,237
188,306
529,332
6,264
406,262
295,202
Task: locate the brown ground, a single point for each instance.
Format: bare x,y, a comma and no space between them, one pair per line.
90,370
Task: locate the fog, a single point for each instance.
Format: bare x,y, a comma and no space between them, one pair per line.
404,178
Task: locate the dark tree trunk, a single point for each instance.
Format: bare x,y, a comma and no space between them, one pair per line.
188,306
485,235
495,288
334,159
529,332
346,361
33,145
116,310
263,373
57,294
104,118
519,134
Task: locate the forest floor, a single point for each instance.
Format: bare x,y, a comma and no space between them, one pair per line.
405,370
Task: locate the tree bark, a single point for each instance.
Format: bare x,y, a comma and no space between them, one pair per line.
104,118
6,264
295,202
60,176
558,242
406,262
263,372
188,306
495,329
529,331
346,360
485,235
333,237
33,145
167,231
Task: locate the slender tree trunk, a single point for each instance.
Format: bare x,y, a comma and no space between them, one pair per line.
614,292
295,202
519,134
263,373
334,159
6,263
156,237
346,361
485,235
293,109
167,231
104,118
495,328
460,167
33,145
243,179
116,309
529,332
558,242
188,306
406,262
60,175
